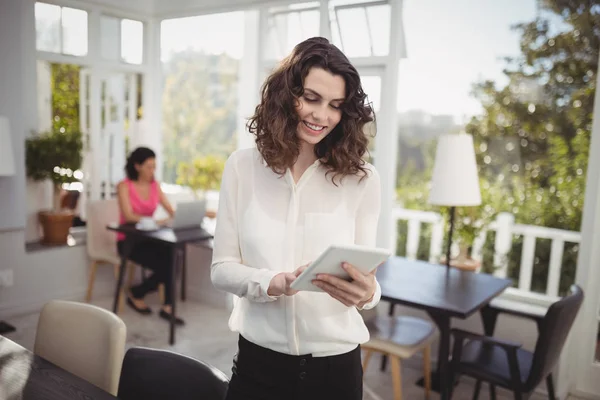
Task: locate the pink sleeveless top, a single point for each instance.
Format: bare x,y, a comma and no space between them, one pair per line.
140,206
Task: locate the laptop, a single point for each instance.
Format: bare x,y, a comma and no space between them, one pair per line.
188,215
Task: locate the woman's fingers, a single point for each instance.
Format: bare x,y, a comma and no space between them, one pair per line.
349,298
354,287
289,278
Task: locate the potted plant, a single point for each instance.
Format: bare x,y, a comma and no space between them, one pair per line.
54,155
469,222
201,175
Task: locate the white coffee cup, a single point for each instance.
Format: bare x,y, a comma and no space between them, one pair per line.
146,223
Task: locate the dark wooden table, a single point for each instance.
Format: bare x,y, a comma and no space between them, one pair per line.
443,293
177,239
25,376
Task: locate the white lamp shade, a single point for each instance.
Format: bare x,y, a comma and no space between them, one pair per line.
7,158
455,181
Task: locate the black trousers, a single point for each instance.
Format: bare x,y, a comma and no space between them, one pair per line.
156,257
264,374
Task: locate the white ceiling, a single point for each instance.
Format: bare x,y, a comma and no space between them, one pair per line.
174,8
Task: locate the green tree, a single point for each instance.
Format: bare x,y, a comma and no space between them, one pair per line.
532,139
199,108
535,131
65,97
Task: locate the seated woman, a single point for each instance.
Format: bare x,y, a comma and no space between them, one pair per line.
139,195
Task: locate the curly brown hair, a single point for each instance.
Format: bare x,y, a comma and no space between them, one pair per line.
275,119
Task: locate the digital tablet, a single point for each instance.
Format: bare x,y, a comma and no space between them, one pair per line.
364,258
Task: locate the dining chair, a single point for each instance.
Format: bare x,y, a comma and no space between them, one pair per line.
153,374
504,363
399,338
102,244
85,340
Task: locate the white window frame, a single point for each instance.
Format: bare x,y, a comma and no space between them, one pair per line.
98,67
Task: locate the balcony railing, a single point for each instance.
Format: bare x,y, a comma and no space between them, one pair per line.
506,229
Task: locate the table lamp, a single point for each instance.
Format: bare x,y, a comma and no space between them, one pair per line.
455,182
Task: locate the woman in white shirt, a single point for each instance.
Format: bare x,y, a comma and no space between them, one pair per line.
305,186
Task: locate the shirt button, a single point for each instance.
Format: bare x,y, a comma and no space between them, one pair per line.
302,375
303,361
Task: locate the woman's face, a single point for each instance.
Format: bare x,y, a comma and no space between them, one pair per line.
319,107
146,170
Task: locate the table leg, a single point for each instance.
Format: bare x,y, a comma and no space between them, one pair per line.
440,378
384,357
174,266
126,252
183,273
489,317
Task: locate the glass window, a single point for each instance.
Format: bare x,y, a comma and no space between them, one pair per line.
122,40
109,37
372,87
201,63
47,27
289,26
499,72
371,84
132,41
61,29
361,30
74,32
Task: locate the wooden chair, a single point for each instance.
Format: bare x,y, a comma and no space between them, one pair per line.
85,340
399,338
503,363
102,244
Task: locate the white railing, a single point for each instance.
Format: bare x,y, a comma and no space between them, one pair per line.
505,229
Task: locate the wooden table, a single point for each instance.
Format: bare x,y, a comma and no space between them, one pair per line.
177,239
443,293
25,376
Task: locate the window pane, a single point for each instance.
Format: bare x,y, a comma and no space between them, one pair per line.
201,64
288,28
379,26
362,30
526,99
74,31
132,41
354,31
109,38
372,87
47,26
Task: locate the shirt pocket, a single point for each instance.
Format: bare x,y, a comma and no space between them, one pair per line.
322,230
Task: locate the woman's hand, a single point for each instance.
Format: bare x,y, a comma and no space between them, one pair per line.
280,284
163,222
357,293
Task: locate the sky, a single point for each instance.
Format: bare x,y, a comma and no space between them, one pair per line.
450,45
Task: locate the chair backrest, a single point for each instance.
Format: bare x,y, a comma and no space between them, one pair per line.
152,374
554,329
86,340
100,241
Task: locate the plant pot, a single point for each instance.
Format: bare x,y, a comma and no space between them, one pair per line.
56,226
464,260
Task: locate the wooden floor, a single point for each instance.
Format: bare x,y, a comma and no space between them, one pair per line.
207,337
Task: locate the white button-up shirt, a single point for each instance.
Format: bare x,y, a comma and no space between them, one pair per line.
269,224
